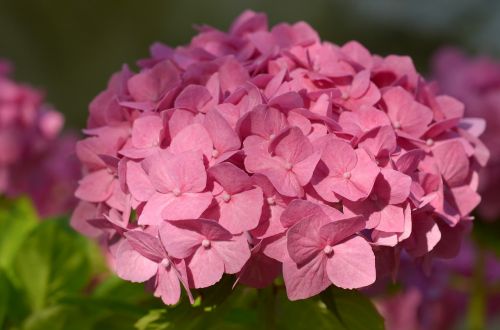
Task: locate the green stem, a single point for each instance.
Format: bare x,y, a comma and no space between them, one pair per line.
476,318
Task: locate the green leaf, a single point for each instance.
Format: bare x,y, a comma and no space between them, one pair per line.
58,317
4,297
52,262
352,310
17,219
154,320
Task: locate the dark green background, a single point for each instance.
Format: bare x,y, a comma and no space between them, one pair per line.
70,48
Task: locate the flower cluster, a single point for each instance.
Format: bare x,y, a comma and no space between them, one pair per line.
35,159
476,82
261,152
440,301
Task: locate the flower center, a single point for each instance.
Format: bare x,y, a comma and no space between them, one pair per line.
429,142
397,125
272,136
226,197
205,243
328,250
344,96
288,166
165,263
215,153
347,175
176,192
271,201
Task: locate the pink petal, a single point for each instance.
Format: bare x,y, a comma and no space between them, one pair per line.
95,186
230,177
205,267
138,182
242,212
305,281
336,231
179,242
147,245
185,172
234,253
192,138
452,161
392,186
152,84
411,116
292,145
352,264
300,209
167,286
304,241
223,136
152,212
193,97
132,266
146,131
186,206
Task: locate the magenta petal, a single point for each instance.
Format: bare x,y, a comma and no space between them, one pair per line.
132,266
352,264
305,281
393,186
205,267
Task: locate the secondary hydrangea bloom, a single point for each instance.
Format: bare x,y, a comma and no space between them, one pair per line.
35,159
265,151
441,301
476,82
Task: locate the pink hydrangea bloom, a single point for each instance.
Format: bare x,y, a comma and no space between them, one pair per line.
266,151
35,159
476,82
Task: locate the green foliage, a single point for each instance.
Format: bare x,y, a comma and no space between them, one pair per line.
268,309
53,278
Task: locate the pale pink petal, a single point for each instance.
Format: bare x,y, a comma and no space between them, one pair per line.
234,253
96,186
132,266
352,264
305,281
242,212
205,267
167,287
138,182
179,242
186,206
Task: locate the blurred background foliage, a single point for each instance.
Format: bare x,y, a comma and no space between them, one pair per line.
70,48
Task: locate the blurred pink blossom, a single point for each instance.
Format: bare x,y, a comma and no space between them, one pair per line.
35,158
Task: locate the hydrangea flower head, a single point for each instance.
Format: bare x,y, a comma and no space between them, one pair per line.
266,151
35,158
